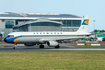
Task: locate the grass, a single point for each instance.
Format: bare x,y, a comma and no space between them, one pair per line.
53,60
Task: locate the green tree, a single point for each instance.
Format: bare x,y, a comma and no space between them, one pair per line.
102,30
95,30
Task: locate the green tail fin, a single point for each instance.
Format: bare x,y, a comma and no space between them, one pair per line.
98,31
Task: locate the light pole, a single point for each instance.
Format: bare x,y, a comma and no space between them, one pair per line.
83,18
94,30
94,24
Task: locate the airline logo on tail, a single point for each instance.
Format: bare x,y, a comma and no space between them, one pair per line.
84,26
86,22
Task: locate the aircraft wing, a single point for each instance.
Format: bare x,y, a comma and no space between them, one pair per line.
67,38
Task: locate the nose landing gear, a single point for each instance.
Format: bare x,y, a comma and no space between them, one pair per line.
15,45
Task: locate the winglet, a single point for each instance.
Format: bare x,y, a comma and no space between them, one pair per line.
84,26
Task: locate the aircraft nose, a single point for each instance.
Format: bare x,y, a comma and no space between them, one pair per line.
5,39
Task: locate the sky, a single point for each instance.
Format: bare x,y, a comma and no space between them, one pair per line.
93,8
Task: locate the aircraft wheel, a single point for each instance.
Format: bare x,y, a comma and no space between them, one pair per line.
14,47
57,46
41,46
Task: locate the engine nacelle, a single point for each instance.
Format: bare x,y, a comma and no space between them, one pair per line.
28,44
52,43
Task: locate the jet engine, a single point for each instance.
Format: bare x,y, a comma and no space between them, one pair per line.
52,43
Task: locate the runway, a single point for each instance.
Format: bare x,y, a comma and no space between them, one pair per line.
36,48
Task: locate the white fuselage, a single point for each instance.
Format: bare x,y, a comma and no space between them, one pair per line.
40,37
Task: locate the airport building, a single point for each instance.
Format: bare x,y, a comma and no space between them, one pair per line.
11,22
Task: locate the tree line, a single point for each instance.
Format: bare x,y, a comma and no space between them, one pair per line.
100,30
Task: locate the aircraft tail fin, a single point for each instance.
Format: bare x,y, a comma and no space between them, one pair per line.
84,26
98,32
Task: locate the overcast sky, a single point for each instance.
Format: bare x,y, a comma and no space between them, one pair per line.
93,8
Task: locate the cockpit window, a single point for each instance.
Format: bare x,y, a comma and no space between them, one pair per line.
10,36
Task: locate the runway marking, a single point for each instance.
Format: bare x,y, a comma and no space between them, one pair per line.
73,49
24,49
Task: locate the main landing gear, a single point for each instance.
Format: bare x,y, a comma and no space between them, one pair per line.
15,45
41,46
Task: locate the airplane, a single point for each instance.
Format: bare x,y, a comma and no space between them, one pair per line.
52,39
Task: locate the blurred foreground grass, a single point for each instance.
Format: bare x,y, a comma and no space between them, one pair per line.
53,60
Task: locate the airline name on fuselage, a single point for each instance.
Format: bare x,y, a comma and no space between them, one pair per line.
47,33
